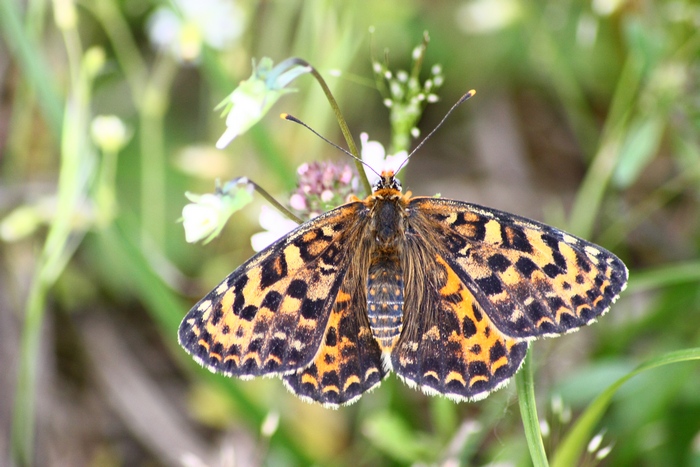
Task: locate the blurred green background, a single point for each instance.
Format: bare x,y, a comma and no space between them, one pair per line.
587,117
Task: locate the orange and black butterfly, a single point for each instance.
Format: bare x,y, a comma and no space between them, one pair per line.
444,293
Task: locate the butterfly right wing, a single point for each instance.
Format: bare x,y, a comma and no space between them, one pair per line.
531,279
448,345
270,315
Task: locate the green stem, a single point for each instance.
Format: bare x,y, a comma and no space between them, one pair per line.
22,445
106,191
590,194
528,410
60,244
33,67
152,142
125,48
149,95
341,121
270,199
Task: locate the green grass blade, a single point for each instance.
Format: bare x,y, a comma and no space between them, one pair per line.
574,443
664,276
33,66
528,411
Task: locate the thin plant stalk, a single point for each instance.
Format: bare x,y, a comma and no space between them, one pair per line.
152,142
528,410
352,147
60,244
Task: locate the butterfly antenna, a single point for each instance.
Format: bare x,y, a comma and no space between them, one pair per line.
457,104
292,118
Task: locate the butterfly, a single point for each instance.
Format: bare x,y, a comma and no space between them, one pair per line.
444,293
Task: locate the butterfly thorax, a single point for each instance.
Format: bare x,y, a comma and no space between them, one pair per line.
385,287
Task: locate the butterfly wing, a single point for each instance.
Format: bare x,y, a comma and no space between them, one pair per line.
448,345
531,280
270,315
349,362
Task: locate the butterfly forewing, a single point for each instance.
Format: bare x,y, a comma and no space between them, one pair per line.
530,279
270,315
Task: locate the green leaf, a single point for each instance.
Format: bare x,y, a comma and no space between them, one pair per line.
638,149
575,441
390,433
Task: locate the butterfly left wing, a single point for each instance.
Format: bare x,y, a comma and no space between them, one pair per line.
270,315
349,362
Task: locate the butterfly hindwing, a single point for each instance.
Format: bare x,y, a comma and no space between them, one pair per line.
448,345
531,280
349,361
269,316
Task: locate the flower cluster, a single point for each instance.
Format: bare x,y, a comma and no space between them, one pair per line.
406,97
322,186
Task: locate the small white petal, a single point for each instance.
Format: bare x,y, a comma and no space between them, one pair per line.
594,443
603,453
276,226
228,136
270,424
297,201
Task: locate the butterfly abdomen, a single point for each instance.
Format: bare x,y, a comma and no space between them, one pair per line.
385,275
385,299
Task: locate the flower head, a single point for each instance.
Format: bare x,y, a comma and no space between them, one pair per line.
322,186
488,16
206,215
254,97
406,97
193,23
109,133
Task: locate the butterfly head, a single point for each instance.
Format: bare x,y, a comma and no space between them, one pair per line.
387,181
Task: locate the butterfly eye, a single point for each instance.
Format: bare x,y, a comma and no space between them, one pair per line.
397,184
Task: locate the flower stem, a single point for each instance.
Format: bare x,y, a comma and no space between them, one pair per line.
528,411
61,242
268,197
341,121
418,61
